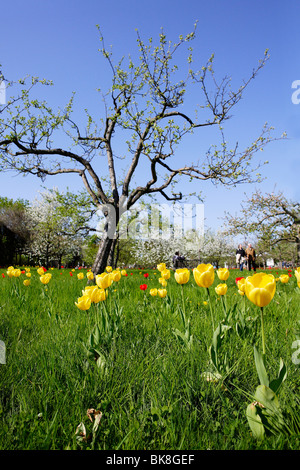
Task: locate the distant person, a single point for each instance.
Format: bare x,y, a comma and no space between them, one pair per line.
178,260
251,257
240,257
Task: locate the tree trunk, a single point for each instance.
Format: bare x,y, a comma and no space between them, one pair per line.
101,259
110,260
298,251
107,245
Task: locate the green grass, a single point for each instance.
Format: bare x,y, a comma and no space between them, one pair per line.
150,390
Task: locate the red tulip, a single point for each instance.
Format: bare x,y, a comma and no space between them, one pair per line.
143,286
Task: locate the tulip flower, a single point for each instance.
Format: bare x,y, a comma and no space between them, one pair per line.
98,295
116,275
284,278
260,290
88,290
90,275
165,274
223,274
45,278
153,292
26,282
221,289
80,276
84,302
297,274
10,271
162,281
162,293
41,271
241,284
28,274
182,276
143,286
123,272
161,267
108,269
16,272
104,280
204,275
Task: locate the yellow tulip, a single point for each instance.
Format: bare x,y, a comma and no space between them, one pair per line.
166,273
221,289
260,288
162,293
16,272
40,271
28,274
26,282
45,278
10,272
161,267
182,276
223,274
108,269
162,281
80,276
104,280
204,275
116,275
241,284
153,292
297,274
27,270
97,295
10,268
90,275
284,278
88,290
241,292
84,302
123,272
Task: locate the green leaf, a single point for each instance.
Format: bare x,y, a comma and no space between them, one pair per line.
260,367
255,422
276,383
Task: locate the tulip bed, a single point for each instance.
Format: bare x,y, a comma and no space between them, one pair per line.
149,359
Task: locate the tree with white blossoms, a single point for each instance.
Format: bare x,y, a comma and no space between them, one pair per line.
271,217
56,225
147,107
210,247
216,248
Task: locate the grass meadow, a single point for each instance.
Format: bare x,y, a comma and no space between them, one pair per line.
137,372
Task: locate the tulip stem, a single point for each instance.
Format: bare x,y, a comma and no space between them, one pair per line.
224,306
183,300
210,307
262,331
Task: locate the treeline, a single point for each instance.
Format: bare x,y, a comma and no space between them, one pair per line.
52,230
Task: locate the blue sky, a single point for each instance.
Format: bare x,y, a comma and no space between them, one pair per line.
59,41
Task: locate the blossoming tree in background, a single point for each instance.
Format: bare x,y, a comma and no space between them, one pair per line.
274,220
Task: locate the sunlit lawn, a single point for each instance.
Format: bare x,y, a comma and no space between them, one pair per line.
145,365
